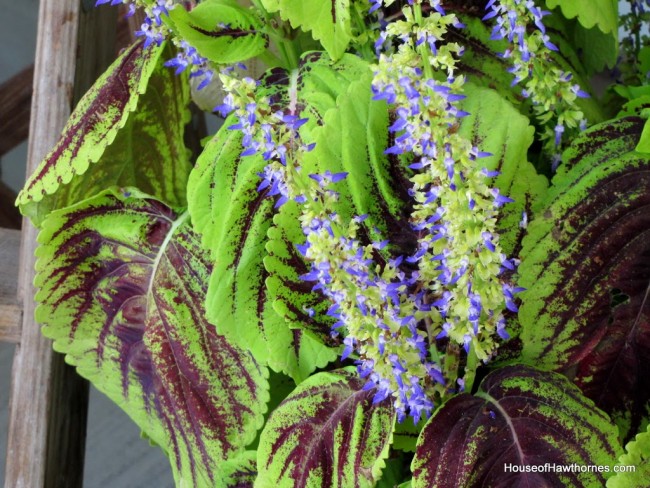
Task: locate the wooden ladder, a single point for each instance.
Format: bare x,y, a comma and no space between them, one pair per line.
48,402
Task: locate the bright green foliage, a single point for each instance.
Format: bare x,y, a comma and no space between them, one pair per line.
326,434
148,152
644,143
93,125
405,435
328,20
637,454
239,471
598,49
122,283
292,297
584,45
220,30
498,128
350,141
233,219
601,13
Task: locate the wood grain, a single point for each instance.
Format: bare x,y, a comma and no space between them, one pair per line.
10,309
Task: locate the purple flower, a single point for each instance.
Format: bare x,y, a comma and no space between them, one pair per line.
376,5
350,343
487,240
559,130
150,34
327,178
500,200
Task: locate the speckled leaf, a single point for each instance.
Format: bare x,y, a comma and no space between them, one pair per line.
221,30
241,471
495,126
122,284
234,219
327,20
148,153
95,122
637,455
520,416
586,265
327,433
600,13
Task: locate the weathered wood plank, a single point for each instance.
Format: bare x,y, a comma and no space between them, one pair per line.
48,405
15,100
10,310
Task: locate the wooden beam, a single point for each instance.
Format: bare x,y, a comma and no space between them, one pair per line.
48,404
10,309
15,101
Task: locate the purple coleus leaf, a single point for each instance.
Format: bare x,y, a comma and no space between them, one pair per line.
122,285
326,433
586,265
519,418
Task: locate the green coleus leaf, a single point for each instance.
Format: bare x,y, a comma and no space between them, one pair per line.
590,13
585,265
241,471
148,152
327,433
328,21
236,221
519,417
495,126
351,138
122,284
397,469
643,145
93,125
598,50
221,30
637,455
234,218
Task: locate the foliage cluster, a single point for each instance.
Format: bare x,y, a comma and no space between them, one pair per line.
417,250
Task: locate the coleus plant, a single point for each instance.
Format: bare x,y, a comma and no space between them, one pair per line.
416,252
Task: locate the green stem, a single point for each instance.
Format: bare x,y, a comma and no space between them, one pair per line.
423,49
470,369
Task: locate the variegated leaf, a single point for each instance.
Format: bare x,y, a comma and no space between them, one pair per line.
234,218
148,153
327,433
519,418
587,270
101,113
122,286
